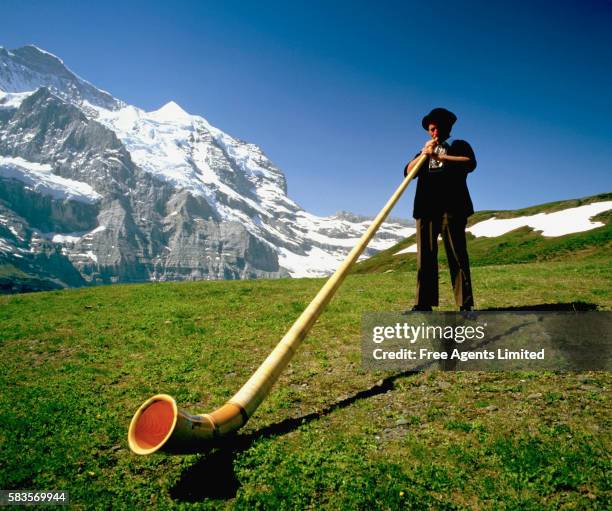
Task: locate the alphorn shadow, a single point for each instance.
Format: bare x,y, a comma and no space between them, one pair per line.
213,476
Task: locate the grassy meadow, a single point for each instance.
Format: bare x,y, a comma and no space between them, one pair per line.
77,363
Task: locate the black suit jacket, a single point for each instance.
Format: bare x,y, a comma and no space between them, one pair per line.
444,190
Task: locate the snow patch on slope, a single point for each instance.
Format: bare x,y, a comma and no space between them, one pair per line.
40,178
315,263
558,223
412,249
10,100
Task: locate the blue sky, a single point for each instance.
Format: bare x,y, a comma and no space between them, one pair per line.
334,92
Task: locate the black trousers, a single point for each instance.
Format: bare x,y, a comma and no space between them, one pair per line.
452,229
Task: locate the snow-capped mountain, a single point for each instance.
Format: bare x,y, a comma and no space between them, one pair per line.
93,190
28,68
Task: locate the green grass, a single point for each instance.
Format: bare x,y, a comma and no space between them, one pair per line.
8,270
77,363
14,280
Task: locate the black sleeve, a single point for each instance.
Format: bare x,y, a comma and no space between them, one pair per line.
406,166
462,148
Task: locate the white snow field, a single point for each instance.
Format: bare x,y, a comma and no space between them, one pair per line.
40,178
12,100
412,249
557,223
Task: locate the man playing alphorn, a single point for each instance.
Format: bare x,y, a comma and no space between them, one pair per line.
442,205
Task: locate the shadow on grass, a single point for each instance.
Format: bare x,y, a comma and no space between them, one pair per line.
213,476
549,307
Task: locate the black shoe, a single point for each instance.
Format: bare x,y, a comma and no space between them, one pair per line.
419,308
467,312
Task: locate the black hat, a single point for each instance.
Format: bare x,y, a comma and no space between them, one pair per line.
440,116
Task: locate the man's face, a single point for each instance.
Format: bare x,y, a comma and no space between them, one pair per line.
433,130
436,131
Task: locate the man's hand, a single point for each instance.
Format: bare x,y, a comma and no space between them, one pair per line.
428,148
438,156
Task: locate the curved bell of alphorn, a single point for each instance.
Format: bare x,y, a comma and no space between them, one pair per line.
159,425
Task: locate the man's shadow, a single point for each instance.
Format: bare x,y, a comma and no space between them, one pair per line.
548,307
213,475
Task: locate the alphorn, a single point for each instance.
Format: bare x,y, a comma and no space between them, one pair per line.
159,425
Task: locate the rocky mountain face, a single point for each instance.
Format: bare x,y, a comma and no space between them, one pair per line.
95,191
